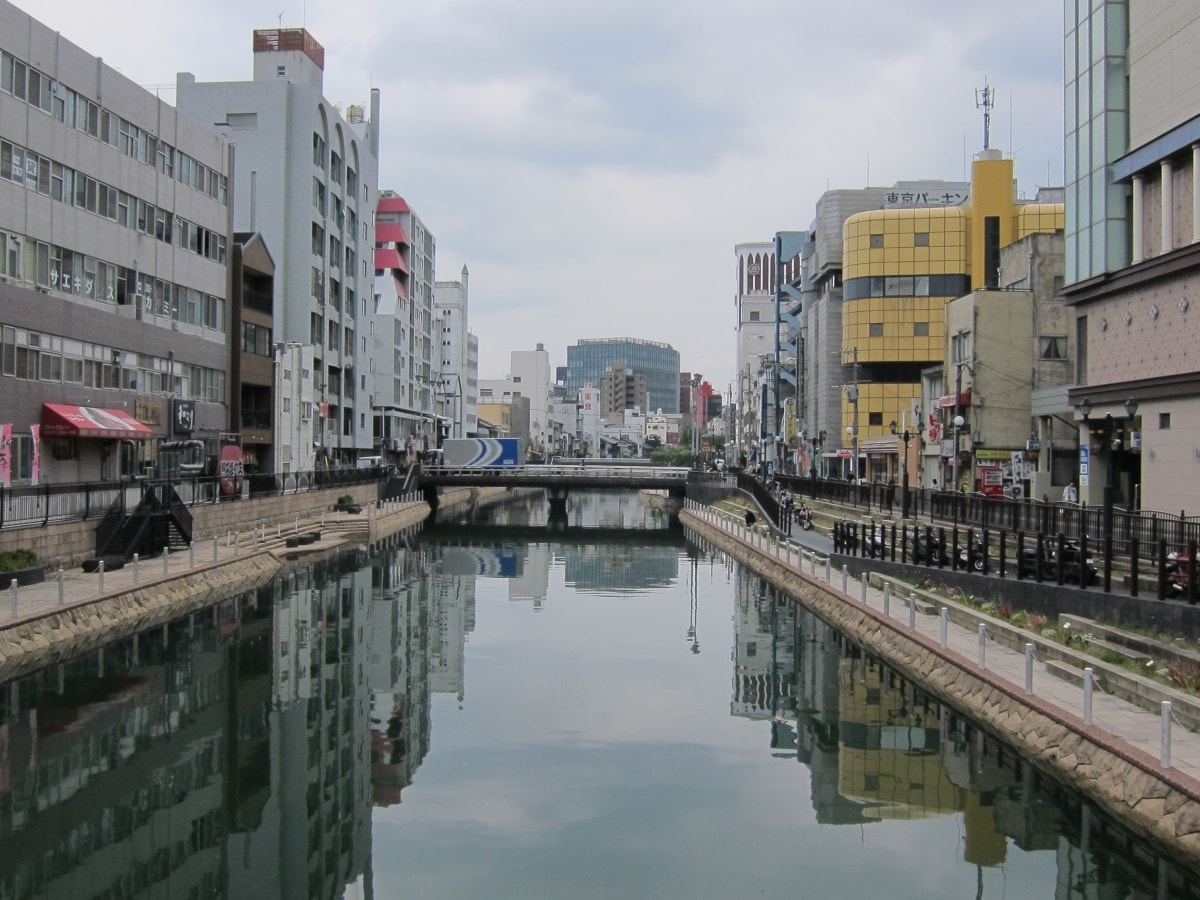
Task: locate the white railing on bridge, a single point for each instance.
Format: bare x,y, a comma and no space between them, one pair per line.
567,470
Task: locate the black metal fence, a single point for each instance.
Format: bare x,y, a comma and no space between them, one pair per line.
28,506
1078,522
1151,568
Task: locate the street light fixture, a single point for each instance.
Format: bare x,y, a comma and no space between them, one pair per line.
959,422
905,435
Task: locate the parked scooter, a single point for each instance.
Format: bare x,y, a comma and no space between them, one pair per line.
929,550
1072,564
1179,566
974,556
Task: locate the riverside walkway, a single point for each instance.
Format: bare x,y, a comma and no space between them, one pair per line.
71,588
1152,739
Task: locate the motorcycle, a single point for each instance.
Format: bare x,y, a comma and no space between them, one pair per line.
804,516
974,556
1179,567
929,549
1073,564
845,537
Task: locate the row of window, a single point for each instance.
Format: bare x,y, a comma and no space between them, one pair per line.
906,286
62,183
336,165
56,268
335,293
76,111
36,356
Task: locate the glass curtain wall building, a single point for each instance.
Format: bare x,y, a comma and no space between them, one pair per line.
589,360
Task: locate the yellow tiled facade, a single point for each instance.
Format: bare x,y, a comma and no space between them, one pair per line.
901,267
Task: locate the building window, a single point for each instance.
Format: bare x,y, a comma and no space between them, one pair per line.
877,242
921,239
920,329
1164,421
876,329
1052,348
875,418
754,317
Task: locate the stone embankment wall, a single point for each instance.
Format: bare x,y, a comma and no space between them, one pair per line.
1163,805
64,633
73,542
35,643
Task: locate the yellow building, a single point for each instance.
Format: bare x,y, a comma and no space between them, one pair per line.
901,267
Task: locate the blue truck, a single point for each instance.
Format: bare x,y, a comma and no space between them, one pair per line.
504,453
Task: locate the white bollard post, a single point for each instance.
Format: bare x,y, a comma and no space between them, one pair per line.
100,571
845,577
864,588
887,599
912,612
1029,668
983,645
1165,755
827,570
191,554
214,549
1088,681
814,564
137,568
945,625
166,558
62,596
12,587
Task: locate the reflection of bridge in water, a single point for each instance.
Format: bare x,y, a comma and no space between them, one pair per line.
559,480
475,535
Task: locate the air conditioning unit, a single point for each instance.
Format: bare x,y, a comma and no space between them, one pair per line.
1033,446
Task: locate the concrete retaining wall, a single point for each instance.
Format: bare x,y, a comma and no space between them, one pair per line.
1162,805
62,634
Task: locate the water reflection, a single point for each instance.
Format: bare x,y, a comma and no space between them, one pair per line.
269,747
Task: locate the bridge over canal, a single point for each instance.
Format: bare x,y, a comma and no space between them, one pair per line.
558,480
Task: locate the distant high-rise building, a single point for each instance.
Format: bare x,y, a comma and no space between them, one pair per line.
658,363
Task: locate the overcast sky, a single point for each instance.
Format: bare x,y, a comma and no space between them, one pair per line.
593,164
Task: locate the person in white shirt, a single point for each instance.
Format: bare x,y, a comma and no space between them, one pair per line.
1070,493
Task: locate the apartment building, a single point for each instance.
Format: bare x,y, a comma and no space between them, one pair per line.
305,177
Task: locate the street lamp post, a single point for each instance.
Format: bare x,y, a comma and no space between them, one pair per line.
1110,483
905,435
817,440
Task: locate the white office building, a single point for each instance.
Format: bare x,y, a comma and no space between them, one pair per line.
457,375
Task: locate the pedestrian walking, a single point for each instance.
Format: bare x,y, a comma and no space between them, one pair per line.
1071,493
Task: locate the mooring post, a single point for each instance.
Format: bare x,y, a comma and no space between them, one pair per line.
1029,668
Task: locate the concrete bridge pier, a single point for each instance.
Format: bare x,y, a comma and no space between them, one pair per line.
557,496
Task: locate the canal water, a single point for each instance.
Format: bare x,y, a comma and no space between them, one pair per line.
504,706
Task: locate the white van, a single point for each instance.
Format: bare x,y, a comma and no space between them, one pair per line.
369,462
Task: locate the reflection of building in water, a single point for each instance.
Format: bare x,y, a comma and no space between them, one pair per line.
620,567
108,759
397,672
317,839
764,657
889,745
451,619
818,714
532,582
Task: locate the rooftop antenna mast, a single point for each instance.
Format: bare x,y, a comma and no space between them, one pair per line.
985,99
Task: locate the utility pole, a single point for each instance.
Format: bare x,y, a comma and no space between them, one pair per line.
853,397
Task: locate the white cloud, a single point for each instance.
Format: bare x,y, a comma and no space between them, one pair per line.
594,164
